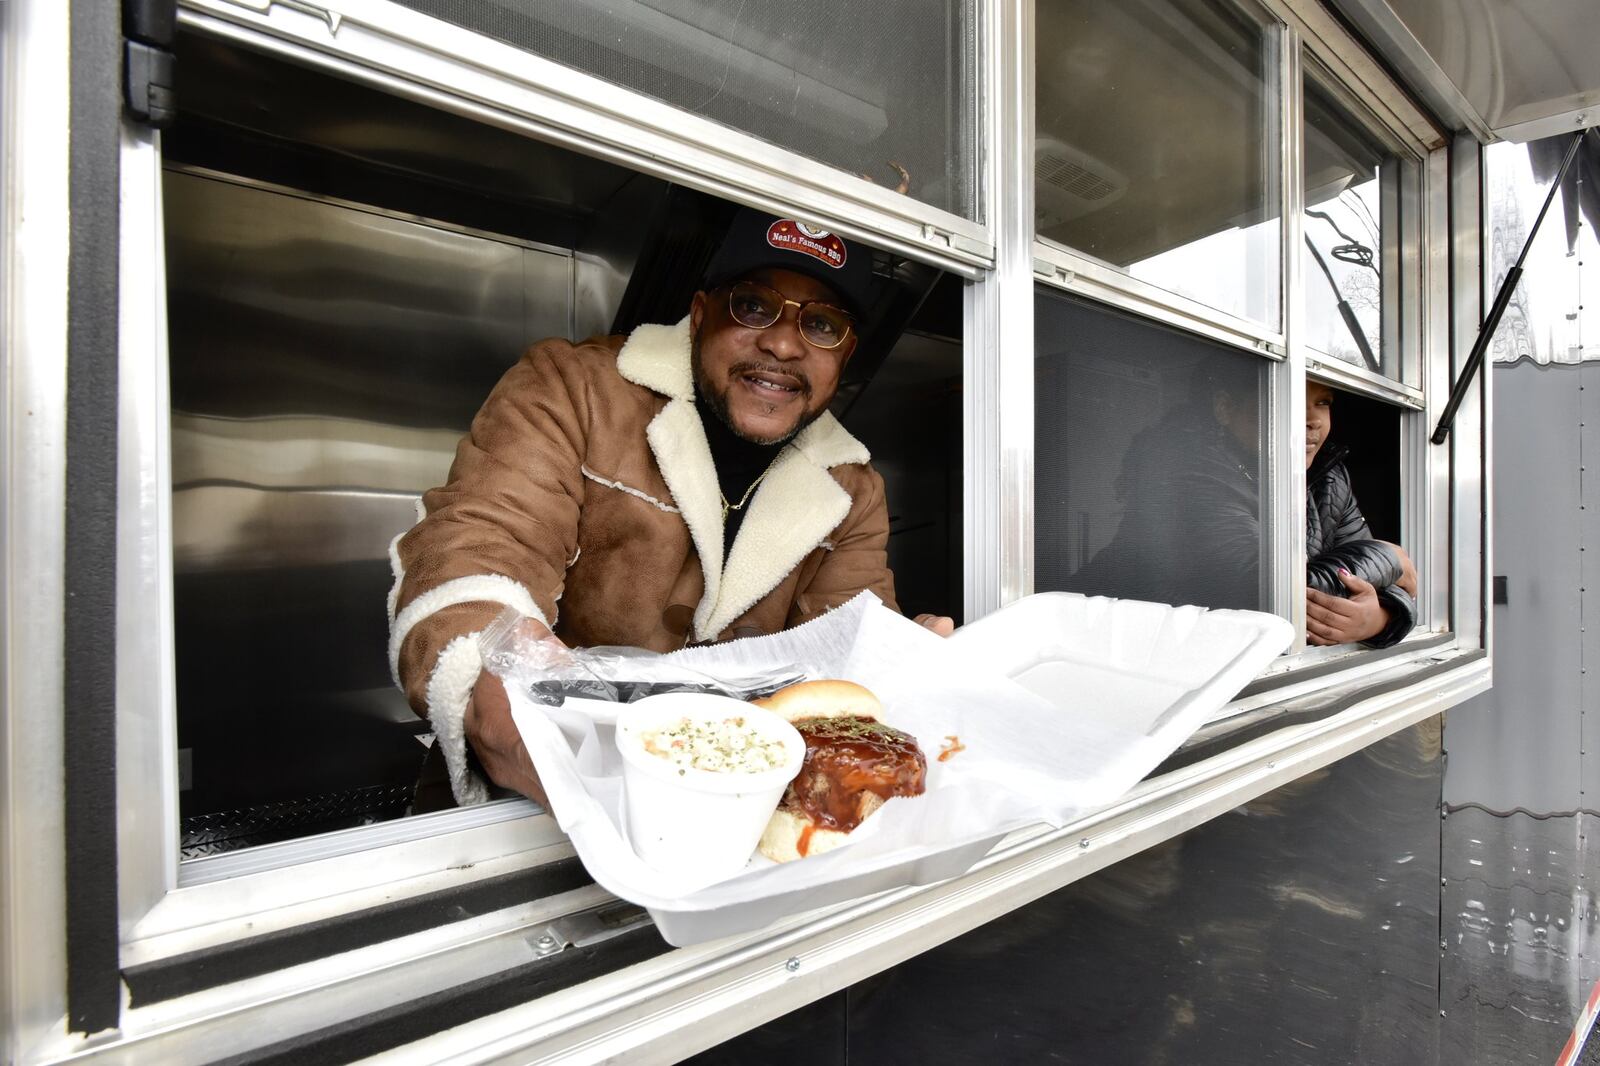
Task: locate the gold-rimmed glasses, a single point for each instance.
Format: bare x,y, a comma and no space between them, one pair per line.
757,307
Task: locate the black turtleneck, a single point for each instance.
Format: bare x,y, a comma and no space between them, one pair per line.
739,462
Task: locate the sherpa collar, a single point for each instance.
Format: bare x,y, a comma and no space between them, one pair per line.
797,506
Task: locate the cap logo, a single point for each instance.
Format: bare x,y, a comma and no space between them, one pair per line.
791,236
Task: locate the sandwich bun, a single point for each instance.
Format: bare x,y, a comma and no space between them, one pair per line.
781,839
823,699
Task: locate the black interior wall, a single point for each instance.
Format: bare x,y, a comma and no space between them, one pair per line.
1371,430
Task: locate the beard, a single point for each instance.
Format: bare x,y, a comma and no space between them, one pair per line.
717,399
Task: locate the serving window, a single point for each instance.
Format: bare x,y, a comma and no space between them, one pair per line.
337,311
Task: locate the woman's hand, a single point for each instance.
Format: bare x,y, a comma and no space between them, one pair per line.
1345,620
941,624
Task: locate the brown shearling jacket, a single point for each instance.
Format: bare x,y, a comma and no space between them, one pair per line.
585,496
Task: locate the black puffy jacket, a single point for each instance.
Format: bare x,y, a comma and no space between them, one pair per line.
1337,536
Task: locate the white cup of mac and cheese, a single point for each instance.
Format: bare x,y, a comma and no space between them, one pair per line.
701,775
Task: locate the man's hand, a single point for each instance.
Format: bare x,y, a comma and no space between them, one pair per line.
493,734
495,740
1340,620
1408,570
939,623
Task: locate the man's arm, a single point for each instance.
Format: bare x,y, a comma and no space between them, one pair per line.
858,560
496,535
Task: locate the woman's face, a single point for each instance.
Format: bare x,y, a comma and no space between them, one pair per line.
1319,418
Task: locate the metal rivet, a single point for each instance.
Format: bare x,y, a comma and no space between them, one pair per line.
793,965
1083,843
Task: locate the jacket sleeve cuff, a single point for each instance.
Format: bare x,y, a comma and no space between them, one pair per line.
455,671
449,689
474,588
1402,617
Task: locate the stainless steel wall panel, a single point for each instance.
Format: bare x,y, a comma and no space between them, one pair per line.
234,527
284,304
1587,561
1519,908
1517,913
1517,746
325,359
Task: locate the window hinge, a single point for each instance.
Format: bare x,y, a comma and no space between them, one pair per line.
149,87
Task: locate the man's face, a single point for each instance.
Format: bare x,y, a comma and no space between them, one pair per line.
765,384
1319,418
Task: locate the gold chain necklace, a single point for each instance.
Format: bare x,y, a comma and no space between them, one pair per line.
726,506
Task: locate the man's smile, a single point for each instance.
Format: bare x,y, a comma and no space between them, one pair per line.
771,384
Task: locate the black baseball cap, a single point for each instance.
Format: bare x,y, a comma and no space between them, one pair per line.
759,241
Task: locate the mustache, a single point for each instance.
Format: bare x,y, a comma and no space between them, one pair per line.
754,367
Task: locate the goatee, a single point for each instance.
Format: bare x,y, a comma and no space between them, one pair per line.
717,401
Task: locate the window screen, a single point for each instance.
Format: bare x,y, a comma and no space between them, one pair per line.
1157,144
1149,468
863,87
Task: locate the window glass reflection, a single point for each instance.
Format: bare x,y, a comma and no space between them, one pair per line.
1356,189
1157,145
882,89
1149,464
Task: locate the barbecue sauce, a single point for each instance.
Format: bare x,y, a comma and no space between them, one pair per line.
848,759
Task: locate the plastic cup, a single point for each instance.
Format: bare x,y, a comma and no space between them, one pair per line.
699,824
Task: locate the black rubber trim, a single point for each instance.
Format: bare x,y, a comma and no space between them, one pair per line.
253,956
407,1022
1227,741
1307,673
89,673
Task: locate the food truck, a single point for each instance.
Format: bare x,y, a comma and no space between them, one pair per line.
264,259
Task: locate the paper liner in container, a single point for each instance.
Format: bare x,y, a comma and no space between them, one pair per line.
1067,739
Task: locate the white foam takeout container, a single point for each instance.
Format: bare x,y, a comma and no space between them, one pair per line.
1062,702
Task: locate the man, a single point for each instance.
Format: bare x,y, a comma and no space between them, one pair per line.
683,484
1357,589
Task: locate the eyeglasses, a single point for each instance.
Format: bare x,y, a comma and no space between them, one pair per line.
756,306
